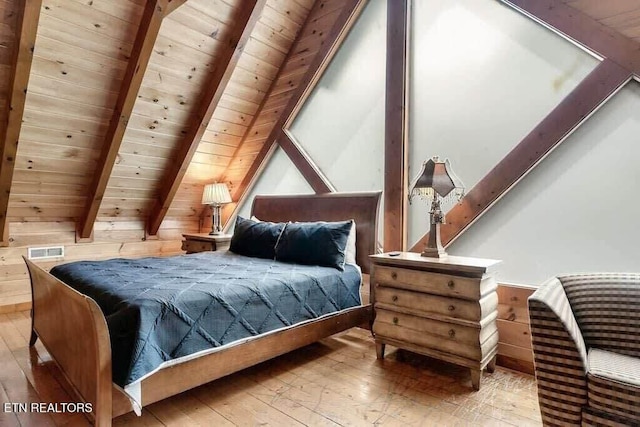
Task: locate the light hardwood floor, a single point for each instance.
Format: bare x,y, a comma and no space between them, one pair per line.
335,382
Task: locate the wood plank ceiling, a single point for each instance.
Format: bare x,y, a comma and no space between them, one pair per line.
130,112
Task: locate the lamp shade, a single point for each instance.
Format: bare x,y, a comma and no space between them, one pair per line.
216,194
436,176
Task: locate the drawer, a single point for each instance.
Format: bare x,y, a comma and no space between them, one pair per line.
445,306
434,283
472,343
197,246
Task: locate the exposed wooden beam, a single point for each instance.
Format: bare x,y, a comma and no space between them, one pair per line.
396,118
309,170
339,31
173,5
266,150
245,21
601,84
139,59
27,27
583,29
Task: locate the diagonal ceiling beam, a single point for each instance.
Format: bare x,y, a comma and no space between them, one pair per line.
245,21
309,170
583,29
139,59
173,5
600,85
280,132
27,27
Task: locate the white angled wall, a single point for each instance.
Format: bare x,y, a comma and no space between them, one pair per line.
341,126
482,77
577,211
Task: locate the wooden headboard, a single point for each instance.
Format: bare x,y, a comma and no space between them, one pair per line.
361,207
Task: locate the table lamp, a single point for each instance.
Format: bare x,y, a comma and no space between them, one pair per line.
436,181
216,195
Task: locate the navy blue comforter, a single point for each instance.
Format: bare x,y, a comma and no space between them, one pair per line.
159,309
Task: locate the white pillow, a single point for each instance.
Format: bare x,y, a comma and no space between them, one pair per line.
350,257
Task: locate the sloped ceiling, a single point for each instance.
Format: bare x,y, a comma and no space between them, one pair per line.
80,59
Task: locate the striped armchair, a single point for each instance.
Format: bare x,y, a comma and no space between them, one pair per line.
585,331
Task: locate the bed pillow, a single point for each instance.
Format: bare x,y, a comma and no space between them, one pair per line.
315,243
255,239
351,245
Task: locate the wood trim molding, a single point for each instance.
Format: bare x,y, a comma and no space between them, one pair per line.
583,29
396,120
172,6
246,20
279,133
139,59
600,85
27,28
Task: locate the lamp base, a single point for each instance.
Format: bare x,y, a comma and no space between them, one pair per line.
434,253
215,220
434,248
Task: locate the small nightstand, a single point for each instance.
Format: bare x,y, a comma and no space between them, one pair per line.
203,242
443,308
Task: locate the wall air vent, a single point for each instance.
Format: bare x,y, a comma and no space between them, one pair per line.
49,252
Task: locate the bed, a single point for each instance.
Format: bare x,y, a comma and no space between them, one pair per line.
70,323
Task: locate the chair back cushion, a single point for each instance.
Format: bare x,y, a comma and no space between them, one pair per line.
605,306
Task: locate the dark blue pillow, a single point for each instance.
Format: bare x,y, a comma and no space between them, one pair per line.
314,243
255,239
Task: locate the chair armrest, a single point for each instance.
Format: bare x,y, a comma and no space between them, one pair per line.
560,355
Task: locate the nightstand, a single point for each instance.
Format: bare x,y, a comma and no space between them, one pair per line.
443,308
202,242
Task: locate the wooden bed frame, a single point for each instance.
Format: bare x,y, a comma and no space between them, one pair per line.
74,331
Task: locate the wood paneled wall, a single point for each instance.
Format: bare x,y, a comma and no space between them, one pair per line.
113,237
514,347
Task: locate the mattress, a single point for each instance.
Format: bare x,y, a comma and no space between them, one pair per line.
162,309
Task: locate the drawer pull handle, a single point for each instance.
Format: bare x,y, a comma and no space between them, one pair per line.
451,284
394,298
451,308
452,333
394,275
395,320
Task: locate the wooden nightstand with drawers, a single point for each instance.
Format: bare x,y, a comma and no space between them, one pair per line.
203,242
443,308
